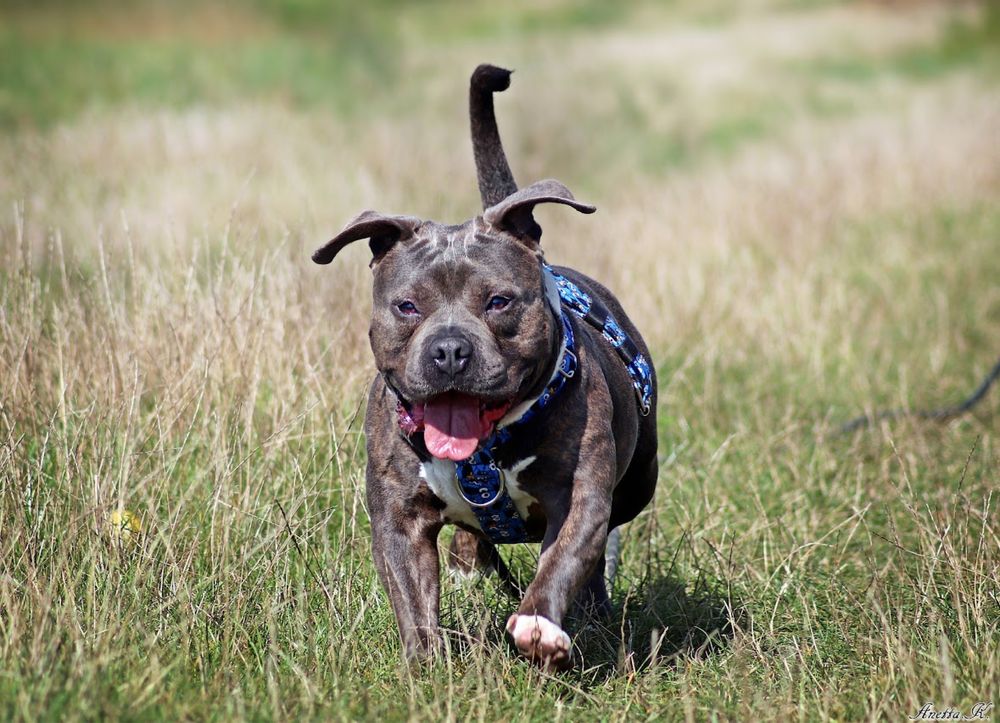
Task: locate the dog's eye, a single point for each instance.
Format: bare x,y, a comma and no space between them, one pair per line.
407,308
498,303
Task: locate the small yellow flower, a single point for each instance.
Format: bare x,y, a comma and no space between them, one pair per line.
124,526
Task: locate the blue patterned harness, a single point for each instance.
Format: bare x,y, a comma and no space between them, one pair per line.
593,312
481,481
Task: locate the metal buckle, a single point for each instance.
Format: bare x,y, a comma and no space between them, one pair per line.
500,491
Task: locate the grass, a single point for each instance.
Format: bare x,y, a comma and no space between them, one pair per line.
61,61
801,220
964,42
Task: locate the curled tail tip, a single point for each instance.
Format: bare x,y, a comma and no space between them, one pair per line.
490,78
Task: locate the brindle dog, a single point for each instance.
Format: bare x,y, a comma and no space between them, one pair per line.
467,333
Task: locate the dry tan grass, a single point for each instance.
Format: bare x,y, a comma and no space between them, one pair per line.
166,345
169,191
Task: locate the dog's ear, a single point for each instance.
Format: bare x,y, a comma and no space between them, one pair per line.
514,212
381,231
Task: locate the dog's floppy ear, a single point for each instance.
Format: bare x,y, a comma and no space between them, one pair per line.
381,231
514,212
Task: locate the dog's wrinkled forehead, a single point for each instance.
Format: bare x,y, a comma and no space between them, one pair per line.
468,249
436,242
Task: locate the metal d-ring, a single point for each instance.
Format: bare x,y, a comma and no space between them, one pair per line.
500,491
644,406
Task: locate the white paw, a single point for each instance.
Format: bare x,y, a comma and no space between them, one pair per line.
540,639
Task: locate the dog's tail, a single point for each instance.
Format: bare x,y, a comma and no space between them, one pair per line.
496,182
612,554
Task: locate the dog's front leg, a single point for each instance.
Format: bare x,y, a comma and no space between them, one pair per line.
406,558
573,547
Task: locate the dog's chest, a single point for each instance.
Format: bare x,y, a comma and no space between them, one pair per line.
439,474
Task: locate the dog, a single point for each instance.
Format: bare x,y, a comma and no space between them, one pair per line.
513,399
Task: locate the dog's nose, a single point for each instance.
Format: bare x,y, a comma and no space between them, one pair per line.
451,355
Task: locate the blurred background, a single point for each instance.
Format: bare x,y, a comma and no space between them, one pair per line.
604,91
799,205
762,150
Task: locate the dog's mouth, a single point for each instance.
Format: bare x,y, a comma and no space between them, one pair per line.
453,423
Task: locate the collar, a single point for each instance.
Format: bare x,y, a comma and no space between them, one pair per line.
564,371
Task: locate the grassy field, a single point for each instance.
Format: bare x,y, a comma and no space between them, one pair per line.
799,204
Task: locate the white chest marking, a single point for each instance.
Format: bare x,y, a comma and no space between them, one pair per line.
440,477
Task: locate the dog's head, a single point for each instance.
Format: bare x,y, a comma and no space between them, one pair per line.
461,327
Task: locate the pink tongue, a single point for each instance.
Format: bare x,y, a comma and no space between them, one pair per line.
451,426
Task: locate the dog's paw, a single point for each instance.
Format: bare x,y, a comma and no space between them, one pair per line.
540,639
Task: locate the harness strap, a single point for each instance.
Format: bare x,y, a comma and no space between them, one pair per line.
592,311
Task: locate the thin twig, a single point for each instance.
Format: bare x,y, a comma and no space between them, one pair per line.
309,567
